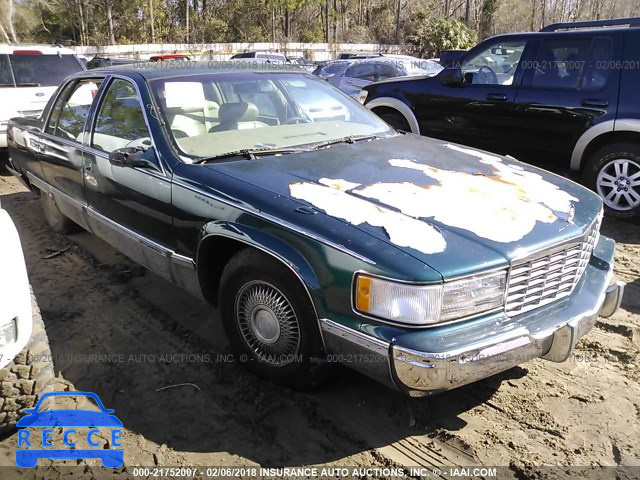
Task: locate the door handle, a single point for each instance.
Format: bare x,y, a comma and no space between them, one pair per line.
497,97
595,102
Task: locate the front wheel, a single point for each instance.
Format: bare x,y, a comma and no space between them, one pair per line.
269,320
614,173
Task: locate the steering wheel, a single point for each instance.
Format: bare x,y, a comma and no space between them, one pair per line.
487,73
296,120
142,142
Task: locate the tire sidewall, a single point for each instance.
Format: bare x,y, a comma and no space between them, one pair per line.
598,161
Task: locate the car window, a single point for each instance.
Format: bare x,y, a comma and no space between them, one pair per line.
363,71
559,62
598,66
42,70
120,121
75,110
384,70
52,123
495,65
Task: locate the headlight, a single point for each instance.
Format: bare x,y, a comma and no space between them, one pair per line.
429,304
362,96
8,333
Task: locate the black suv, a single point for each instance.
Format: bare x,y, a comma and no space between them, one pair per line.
570,91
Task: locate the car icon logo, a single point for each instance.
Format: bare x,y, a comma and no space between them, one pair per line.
33,446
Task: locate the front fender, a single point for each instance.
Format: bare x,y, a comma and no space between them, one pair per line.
277,248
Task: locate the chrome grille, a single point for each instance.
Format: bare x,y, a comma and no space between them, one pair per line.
549,276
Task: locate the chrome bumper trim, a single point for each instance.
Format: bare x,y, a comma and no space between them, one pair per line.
612,299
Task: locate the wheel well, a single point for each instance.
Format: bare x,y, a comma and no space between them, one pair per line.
606,139
213,255
383,110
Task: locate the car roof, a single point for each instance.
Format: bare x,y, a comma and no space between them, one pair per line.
196,68
6,49
568,32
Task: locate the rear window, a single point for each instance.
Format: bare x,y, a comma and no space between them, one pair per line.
36,70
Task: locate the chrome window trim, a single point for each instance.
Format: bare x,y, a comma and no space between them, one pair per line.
275,220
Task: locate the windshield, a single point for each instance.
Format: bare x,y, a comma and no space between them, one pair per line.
36,70
215,114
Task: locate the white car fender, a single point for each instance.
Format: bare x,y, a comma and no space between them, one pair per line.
401,107
15,293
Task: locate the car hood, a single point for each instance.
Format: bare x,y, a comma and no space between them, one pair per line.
455,208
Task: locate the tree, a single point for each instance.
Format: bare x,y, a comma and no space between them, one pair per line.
433,35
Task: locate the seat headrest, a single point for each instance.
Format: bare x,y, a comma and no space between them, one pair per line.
237,112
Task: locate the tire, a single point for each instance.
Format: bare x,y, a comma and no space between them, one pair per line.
609,171
396,120
257,293
27,377
55,218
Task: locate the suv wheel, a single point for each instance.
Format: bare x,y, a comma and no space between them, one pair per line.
27,377
614,173
269,320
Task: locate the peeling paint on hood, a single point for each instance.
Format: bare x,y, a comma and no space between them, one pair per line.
332,197
503,208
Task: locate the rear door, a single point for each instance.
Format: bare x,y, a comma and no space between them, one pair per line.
571,84
61,148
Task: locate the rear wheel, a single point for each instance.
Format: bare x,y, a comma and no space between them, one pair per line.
27,377
614,173
55,218
269,320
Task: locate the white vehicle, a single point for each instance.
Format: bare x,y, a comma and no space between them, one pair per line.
26,367
29,74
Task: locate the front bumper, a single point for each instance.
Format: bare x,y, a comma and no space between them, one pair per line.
438,359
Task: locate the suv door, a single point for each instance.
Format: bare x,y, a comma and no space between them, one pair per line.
568,87
129,206
61,146
480,111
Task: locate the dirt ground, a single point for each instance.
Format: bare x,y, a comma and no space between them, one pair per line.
130,337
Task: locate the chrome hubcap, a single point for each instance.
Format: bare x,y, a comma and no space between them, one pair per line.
267,323
618,184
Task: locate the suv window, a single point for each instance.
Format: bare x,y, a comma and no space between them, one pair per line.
560,62
495,65
598,67
120,121
71,114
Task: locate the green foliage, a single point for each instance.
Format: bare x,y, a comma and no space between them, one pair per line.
432,35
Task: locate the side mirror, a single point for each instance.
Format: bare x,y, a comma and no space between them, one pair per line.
451,77
131,157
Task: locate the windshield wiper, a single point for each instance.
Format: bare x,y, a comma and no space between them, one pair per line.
252,153
348,139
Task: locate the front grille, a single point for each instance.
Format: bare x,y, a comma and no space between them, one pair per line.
549,276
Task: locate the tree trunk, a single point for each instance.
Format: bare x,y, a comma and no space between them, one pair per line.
9,24
152,20
398,22
327,25
186,18
107,9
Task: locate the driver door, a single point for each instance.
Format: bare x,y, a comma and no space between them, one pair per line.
480,112
129,207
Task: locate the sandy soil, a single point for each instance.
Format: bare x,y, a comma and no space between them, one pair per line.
129,336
